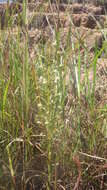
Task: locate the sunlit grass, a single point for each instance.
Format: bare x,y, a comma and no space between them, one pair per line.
52,128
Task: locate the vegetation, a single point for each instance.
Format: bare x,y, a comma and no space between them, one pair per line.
53,124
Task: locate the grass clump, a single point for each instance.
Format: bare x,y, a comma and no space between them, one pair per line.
52,117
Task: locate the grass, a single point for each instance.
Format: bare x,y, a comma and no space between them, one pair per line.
52,126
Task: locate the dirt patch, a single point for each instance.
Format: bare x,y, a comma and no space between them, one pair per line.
88,22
